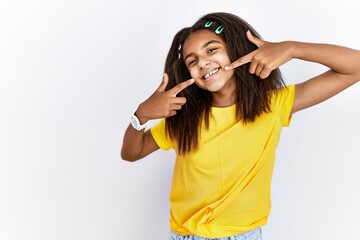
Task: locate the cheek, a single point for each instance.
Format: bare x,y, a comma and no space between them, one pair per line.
193,73
224,59
231,73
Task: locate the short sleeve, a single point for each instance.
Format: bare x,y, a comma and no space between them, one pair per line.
159,134
282,103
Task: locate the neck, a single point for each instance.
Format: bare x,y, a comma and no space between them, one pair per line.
219,100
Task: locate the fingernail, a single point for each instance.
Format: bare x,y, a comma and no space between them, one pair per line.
227,67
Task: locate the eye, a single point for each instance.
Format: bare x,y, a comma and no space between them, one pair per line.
191,62
211,50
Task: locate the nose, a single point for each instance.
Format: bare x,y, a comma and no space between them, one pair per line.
203,63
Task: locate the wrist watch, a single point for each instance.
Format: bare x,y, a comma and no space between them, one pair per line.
136,123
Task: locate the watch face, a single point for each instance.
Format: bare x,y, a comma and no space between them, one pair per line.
134,122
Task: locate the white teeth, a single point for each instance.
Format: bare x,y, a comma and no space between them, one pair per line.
211,73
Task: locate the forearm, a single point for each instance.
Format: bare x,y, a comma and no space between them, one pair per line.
344,64
340,59
133,144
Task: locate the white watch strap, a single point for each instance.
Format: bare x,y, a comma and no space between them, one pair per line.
135,122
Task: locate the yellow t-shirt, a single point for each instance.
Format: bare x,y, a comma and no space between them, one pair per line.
223,189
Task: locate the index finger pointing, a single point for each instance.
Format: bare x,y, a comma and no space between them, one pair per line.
241,61
164,83
181,86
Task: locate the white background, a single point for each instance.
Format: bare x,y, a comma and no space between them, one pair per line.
71,72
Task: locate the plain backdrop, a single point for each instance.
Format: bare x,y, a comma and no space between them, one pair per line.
71,73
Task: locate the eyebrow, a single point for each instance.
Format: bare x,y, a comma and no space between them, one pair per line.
204,46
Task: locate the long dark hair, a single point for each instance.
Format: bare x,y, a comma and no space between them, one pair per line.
253,95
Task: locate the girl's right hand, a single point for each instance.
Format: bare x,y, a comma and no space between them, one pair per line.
162,104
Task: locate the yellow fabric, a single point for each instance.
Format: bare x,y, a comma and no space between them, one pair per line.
223,189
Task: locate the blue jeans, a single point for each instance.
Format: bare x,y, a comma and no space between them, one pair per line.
250,235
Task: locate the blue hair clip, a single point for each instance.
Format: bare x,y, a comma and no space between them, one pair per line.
208,24
219,29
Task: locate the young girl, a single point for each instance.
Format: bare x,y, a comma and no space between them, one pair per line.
223,104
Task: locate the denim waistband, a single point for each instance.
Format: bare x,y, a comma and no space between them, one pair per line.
250,235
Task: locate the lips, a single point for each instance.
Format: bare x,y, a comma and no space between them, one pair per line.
208,75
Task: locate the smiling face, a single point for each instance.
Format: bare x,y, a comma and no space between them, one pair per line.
205,55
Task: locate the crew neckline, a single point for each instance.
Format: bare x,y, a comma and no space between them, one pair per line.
228,107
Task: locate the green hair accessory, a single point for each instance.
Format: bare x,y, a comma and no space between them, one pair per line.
208,24
219,29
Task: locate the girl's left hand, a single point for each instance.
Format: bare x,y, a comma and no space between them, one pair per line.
266,58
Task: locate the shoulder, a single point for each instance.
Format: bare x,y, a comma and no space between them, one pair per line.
282,103
283,94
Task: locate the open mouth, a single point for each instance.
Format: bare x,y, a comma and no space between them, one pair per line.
213,72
